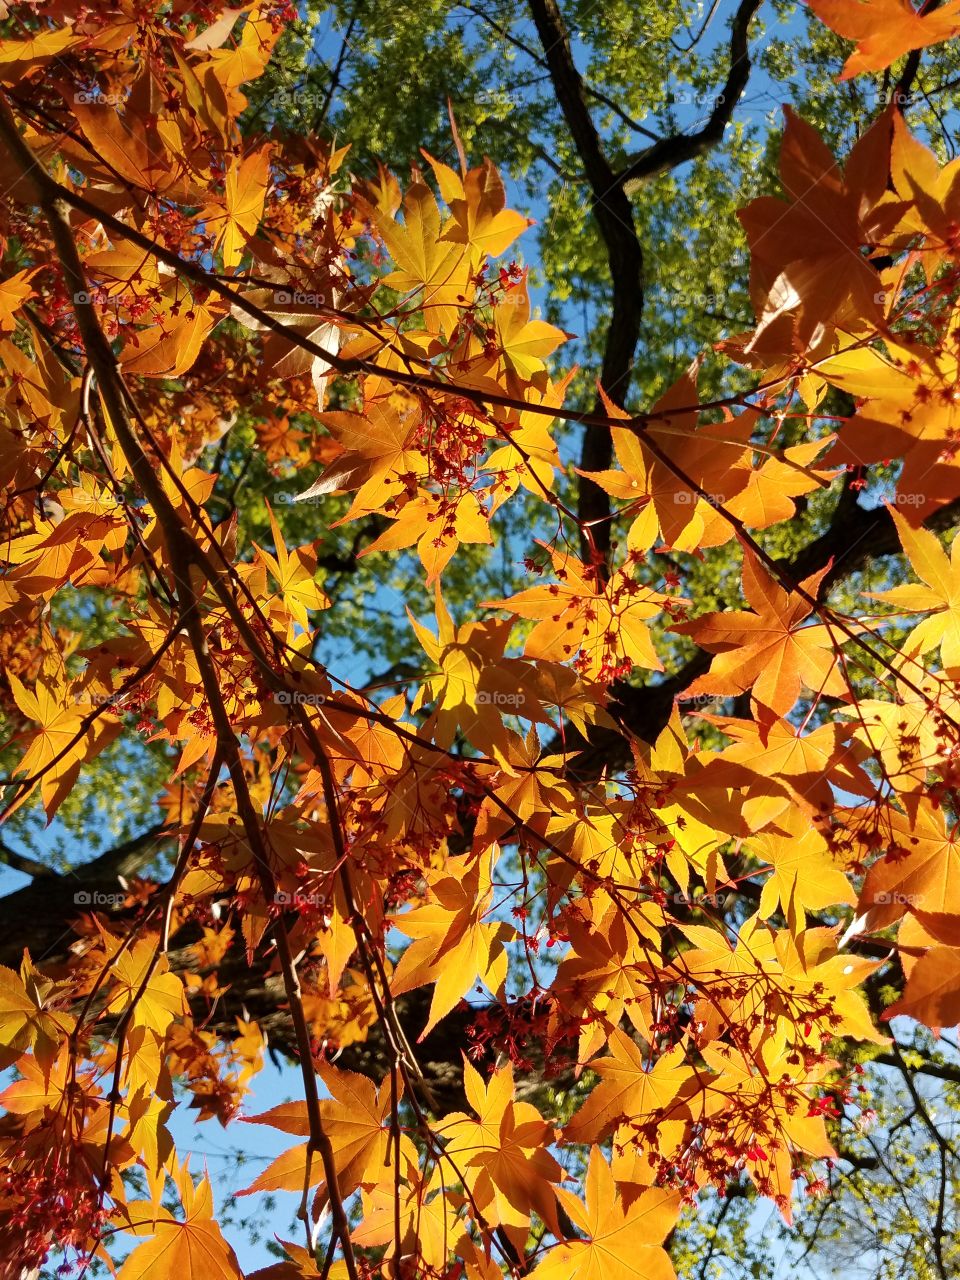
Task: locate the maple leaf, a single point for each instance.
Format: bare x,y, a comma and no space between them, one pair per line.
715,458
14,291
767,498
932,992
478,214
618,1239
159,1001
435,271
525,343
475,685
774,768
237,219
903,735
60,745
129,143
939,596
885,29
804,285
299,1264
379,447
530,458
428,1219
356,1119
805,876
438,526
929,194
920,867
813,961
24,1022
194,1247
772,651
907,411
603,976
247,59
787,1123
40,1089
630,1087
170,344
304,312
295,575
19,57
605,623
502,1151
453,945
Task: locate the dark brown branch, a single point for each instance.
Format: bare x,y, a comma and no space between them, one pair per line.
128,858
670,152
614,215
24,863
938,1070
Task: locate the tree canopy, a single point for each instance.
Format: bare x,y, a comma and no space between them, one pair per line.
479,621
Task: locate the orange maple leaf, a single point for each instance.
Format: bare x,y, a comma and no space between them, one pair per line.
356,1119
885,29
772,651
193,1248
619,1241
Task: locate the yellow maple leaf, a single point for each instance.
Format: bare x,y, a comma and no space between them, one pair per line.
525,343
60,744
159,1001
14,291
436,271
938,596
356,1119
502,1153
235,220
604,623
629,1087
453,945
295,575
619,1242
193,1248
805,875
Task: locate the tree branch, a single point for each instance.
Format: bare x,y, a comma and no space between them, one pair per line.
670,152
614,215
24,863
